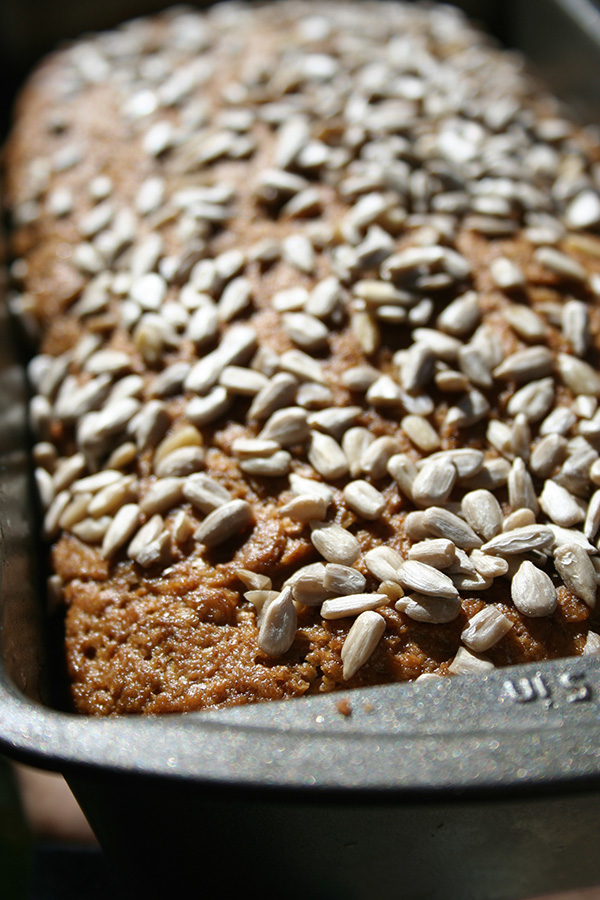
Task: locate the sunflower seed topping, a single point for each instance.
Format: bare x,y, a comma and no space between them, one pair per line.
224,522
378,350
425,608
335,544
278,625
532,591
351,605
485,629
361,641
425,579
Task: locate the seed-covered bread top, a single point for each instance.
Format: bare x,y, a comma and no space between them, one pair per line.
315,291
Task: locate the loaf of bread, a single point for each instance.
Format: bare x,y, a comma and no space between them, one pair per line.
316,291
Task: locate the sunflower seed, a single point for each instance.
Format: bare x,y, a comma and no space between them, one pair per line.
385,392
297,250
74,511
204,493
113,496
559,505
361,641
567,536
68,470
578,375
592,517
278,393
461,316
96,482
274,466
236,297
91,531
309,487
506,274
334,420
560,264
475,366
354,444
335,544
351,605
164,494
442,523
532,591
120,529
443,346
434,610
425,579
526,365
520,518
576,326
324,298
254,581
471,581
417,367
466,461
150,424
364,499
403,471
278,625
44,486
488,566
592,644
451,382
383,562
366,331
520,540
180,462
483,513
467,663
260,599
242,381
420,431
437,552
374,461
577,571
308,585
574,472
469,410
434,482
224,522
359,378
527,324
521,491
306,331
485,629
302,366
533,400
148,553
326,456
288,427
183,436
204,410
343,580
560,421
305,508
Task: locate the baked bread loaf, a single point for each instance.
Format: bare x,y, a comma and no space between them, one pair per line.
315,400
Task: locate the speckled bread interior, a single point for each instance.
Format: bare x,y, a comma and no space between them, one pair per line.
312,286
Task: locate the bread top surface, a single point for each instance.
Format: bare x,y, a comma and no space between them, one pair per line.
282,263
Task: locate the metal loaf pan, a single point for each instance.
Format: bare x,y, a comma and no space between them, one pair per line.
474,787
